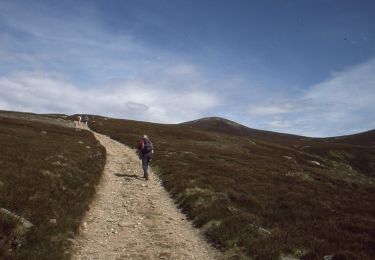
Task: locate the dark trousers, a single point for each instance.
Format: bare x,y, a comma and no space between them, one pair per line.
145,161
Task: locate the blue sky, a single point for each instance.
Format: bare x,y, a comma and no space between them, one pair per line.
302,67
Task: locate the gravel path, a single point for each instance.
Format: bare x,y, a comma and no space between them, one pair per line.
131,218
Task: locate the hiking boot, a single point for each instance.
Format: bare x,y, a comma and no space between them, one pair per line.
146,177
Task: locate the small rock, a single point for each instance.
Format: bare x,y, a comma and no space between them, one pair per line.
57,163
263,230
88,147
288,157
43,132
25,223
109,220
1,184
252,142
72,240
80,142
143,185
126,224
53,221
46,172
316,163
232,209
84,225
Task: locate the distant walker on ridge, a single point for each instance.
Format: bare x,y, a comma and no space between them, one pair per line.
145,152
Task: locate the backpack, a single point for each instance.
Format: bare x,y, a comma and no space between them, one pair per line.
147,146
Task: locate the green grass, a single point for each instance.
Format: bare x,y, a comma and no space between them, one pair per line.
46,172
252,201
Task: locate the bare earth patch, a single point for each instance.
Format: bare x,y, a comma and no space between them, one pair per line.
131,218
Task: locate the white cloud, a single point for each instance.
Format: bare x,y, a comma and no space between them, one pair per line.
136,106
280,124
106,73
41,92
341,104
352,87
271,109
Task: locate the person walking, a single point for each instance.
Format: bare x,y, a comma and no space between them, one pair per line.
86,120
79,120
145,152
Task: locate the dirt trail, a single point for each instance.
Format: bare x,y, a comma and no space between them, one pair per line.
131,218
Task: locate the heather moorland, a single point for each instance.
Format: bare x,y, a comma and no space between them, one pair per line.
262,194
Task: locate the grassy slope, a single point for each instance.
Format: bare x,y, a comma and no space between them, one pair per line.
46,172
253,201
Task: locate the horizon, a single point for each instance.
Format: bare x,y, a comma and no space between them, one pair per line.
194,120
295,67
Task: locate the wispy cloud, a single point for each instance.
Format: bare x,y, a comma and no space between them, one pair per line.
280,124
73,64
132,99
272,108
338,105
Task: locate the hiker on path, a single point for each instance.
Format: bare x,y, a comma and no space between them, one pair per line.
145,152
79,120
86,120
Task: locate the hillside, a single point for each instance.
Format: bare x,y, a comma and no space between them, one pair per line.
262,194
48,175
222,125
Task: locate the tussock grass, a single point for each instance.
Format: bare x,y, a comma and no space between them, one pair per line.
262,195
48,176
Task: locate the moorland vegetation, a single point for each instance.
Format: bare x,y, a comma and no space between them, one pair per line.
263,195
48,175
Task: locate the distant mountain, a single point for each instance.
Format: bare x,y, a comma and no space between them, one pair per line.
366,138
222,125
